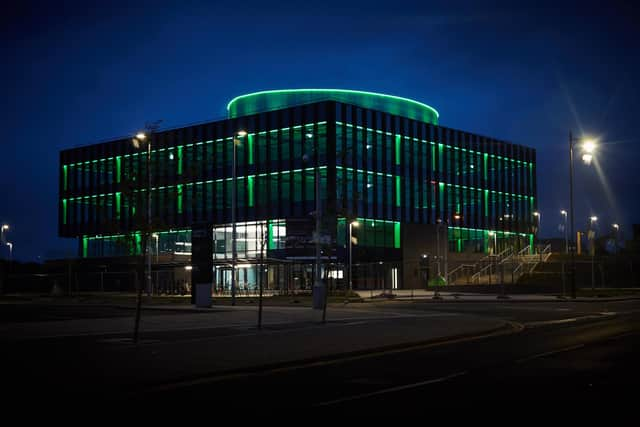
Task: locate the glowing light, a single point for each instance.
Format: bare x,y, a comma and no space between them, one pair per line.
589,146
593,218
563,212
188,267
616,226
355,223
242,133
587,158
141,136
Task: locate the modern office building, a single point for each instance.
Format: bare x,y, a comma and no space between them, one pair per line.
379,159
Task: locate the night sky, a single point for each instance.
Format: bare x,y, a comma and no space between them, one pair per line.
76,74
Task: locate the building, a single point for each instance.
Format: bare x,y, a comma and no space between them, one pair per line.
379,159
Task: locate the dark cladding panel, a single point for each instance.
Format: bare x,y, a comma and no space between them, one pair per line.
201,255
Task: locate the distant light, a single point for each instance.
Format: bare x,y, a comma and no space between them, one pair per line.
589,146
472,166
594,218
5,227
492,233
369,146
170,156
369,185
188,267
456,216
536,214
141,136
242,133
616,226
309,135
587,158
355,223
563,212
424,255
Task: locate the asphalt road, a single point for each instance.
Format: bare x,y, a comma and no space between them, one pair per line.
558,350
566,351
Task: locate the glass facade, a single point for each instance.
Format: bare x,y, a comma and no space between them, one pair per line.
384,169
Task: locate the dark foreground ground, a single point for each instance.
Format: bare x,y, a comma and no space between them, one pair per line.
374,354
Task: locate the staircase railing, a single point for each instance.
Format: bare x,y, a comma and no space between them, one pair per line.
460,271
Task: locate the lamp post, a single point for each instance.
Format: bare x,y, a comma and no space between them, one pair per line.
588,147
592,238
539,223
234,192
156,236
566,231
10,250
352,224
616,227
138,141
3,230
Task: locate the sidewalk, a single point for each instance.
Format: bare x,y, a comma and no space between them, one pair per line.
421,294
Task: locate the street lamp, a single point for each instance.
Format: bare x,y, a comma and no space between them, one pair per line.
495,241
592,242
353,223
3,230
234,195
10,249
566,231
615,236
157,237
538,216
588,147
139,140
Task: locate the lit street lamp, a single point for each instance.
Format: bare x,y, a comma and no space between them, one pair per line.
234,197
616,227
352,224
10,250
139,141
566,231
539,223
588,148
3,230
592,248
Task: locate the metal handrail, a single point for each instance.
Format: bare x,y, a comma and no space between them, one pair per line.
455,272
523,250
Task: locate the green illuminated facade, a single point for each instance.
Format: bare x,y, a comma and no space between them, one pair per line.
381,159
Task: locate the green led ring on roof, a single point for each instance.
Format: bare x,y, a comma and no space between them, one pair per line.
270,100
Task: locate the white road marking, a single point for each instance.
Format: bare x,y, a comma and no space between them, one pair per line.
550,353
391,390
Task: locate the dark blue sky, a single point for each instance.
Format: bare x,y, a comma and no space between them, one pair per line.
74,74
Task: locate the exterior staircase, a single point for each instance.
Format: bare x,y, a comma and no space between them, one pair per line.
505,267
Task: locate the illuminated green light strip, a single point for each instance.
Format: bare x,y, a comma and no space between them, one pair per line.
85,245
271,242
250,142
398,191
143,190
65,177
118,195
179,199
396,235
486,156
180,160
250,190
486,203
118,169
179,147
444,145
486,231
64,211
347,91
398,149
